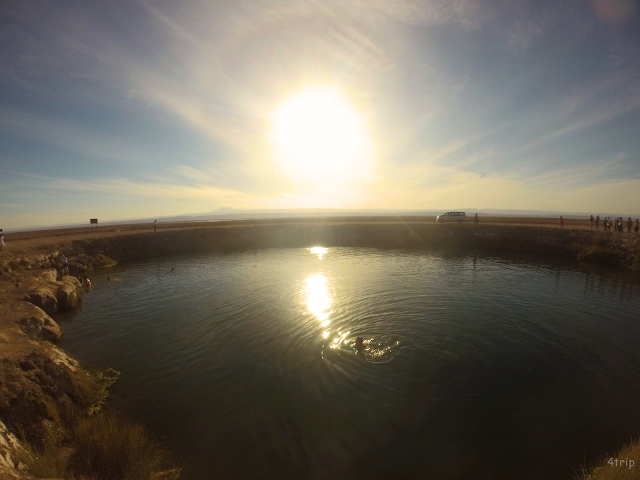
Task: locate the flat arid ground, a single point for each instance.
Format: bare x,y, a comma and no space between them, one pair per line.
29,239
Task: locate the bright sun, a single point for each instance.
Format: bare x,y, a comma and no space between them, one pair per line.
318,137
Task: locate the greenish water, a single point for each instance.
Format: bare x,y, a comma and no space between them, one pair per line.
477,367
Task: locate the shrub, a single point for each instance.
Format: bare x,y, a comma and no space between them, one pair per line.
102,383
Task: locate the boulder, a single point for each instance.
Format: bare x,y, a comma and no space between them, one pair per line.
69,293
41,326
44,297
54,297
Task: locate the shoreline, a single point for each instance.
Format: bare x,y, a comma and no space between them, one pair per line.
128,242
30,294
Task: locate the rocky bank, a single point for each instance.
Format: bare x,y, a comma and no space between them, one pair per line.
594,246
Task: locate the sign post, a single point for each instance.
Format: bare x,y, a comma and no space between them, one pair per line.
92,222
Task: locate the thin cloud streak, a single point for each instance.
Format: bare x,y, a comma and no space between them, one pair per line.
463,99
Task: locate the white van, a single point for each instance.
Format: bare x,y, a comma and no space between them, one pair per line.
452,217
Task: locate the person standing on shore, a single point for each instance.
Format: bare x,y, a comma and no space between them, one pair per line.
591,220
475,220
1,240
597,222
561,221
637,226
629,224
155,225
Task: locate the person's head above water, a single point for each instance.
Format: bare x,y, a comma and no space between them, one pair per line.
359,343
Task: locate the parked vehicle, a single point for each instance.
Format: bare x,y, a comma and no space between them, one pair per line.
452,217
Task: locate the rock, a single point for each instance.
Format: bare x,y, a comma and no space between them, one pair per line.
49,274
44,297
8,462
8,440
54,297
61,358
69,293
90,262
9,445
9,470
41,327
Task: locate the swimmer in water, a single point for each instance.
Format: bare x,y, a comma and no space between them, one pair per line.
173,269
359,344
87,282
109,279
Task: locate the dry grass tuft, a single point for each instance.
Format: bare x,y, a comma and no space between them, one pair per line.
104,446
627,466
111,446
49,461
81,441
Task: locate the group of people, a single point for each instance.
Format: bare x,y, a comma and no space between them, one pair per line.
617,224
61,264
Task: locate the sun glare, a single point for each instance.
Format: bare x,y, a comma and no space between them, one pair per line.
318,137
317,297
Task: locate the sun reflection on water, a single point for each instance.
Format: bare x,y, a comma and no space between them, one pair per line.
318,297
320,251
339,339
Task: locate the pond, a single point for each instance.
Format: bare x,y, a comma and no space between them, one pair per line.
473,366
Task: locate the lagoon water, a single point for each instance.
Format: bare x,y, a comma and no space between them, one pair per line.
476,366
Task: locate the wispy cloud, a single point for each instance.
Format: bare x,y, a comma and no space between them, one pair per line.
489,102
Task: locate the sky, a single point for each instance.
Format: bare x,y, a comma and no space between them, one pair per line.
144,108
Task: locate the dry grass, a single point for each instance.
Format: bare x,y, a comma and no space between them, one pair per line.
104,446
86,443
112,446
49,461
627,466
